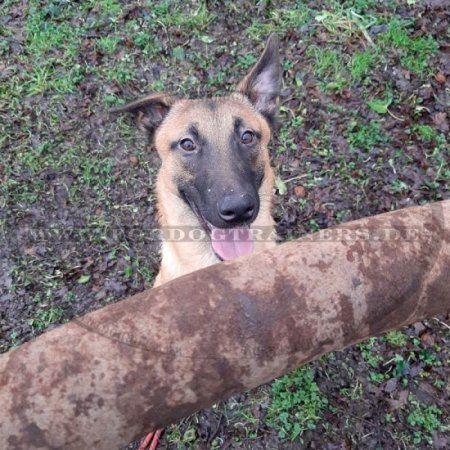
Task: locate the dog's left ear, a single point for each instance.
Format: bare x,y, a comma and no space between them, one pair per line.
263,83
150,111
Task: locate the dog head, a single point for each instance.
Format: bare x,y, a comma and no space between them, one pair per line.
214,151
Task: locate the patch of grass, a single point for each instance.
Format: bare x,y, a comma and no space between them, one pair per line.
146,41
121,72
45,154
52,45
398,186
363,5
187,19
414,52
182,439
381,106
400,366
312,226
242,425
280,20
376,377
110,8
439,157
14,341
48,37
286,141
296,404
365,136
246,61
369,354
342,21
361,63
354,392
330,66
46,79
425,419
395,338
45,316
429,357
425,132
328,62
108,44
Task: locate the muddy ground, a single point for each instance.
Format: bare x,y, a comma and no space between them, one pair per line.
363,129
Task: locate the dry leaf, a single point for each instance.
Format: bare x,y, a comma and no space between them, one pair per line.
440,120
397,404
299,191
440,78
427,338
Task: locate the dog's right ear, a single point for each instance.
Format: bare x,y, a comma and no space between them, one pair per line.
262,84
149,111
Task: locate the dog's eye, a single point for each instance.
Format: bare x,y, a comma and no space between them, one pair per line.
188,145
247,137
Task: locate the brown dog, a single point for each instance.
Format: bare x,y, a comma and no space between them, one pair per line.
215,176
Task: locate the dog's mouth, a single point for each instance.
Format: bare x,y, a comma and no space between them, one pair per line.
227,243
230,243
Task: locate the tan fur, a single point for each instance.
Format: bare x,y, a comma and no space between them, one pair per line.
181,258
168,121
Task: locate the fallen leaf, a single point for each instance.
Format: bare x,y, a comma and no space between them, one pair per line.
128,42
380,106
427,338
280,186
391,385
436,4
178,53
440,78
401,401
440,120
322,36
419,328
206,39
84,279
30,250
299,191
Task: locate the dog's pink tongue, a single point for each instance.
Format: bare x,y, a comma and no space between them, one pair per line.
231,243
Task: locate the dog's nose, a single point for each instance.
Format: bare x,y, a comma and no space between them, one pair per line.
236,208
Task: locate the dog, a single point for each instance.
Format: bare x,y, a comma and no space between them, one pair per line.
215,170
